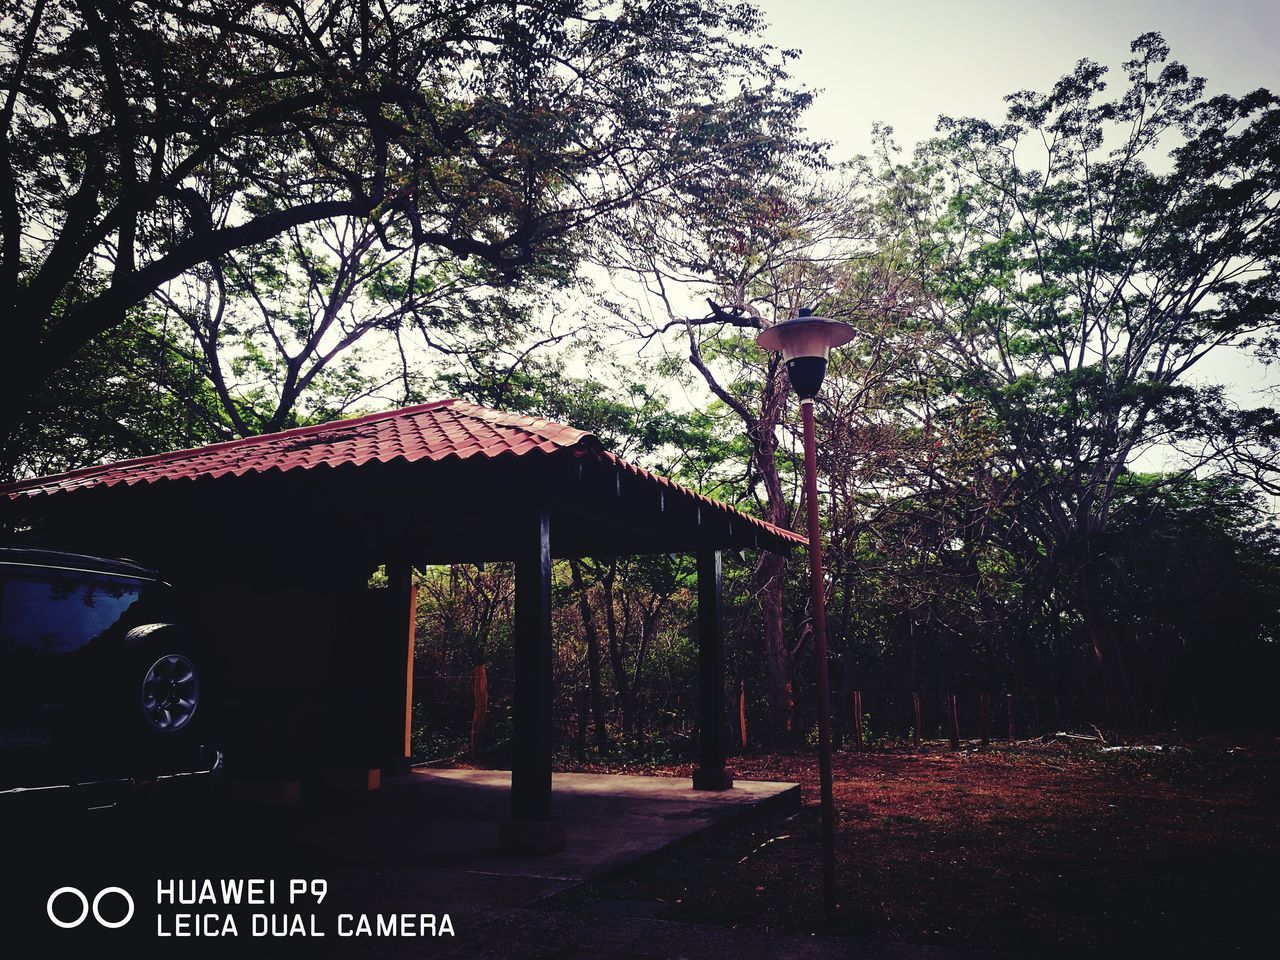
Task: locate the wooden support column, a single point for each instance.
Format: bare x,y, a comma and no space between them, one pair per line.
399,659
531,829
711,773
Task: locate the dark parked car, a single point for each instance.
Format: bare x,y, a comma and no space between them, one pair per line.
99,678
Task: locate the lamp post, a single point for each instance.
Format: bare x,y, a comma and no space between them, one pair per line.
805,342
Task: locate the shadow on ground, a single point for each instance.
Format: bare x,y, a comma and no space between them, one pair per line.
423,847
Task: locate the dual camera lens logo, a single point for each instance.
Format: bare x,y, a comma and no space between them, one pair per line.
74,893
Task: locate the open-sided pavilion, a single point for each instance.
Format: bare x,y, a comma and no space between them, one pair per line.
443,482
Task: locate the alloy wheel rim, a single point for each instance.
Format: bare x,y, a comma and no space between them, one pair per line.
170,693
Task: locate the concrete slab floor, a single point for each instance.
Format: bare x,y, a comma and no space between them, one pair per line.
610,819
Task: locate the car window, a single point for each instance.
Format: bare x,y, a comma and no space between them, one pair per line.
50,612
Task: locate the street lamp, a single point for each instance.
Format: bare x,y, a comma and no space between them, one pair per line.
805,342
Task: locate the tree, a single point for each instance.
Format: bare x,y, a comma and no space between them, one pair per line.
1193,571
467,610
1083,276
631,597
738,255
137,390
490,131
323,318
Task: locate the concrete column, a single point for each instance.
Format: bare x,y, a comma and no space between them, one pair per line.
711,773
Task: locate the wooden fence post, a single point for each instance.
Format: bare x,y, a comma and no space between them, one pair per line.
857,720
580,734
1008,700
955,724
742,713
915,705
984,702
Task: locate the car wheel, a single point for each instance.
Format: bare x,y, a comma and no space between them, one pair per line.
171,693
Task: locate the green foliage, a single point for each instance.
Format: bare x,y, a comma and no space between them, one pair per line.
1196,565
1086,287
135,391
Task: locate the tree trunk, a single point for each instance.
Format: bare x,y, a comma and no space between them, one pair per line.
621,680
593,656
777,656
1121,707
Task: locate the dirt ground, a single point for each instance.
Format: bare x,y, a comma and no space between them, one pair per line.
1033,849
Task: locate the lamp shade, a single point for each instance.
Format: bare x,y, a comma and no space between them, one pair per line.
805,343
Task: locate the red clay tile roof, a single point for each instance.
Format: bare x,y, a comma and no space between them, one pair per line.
430,431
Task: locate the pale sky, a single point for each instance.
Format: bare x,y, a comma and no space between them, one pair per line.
907,61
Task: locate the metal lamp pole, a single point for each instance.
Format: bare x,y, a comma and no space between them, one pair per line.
819,595
805,343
